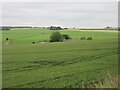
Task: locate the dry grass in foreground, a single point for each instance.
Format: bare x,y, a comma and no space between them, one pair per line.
110,82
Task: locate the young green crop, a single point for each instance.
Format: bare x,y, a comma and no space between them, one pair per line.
58,65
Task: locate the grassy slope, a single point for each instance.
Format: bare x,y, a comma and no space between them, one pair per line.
58,64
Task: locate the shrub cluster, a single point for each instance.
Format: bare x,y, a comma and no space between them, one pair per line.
84,38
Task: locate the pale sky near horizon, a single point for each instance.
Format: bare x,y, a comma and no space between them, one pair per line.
82,14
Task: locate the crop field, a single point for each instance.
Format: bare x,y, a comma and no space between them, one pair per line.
84,63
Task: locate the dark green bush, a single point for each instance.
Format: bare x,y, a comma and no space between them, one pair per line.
66,37
89,38
56,37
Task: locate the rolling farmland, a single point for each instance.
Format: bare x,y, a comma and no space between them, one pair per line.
85,63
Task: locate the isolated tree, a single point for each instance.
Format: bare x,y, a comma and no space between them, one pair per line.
56,37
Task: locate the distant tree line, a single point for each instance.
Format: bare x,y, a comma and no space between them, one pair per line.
22,27
11,27
5,28
55,28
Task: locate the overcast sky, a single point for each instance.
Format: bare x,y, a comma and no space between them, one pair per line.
88,14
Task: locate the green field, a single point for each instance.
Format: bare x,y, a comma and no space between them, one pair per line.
87,63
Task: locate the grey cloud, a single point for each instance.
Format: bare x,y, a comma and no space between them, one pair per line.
66,14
